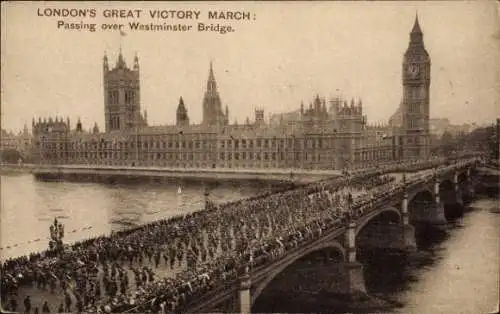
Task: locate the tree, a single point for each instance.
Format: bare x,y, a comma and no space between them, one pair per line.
11,156
447,143
483,139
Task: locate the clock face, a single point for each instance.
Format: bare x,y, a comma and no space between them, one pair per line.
413,70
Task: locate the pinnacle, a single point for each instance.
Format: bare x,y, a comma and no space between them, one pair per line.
416,25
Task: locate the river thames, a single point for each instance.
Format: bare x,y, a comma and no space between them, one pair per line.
91,209
455,270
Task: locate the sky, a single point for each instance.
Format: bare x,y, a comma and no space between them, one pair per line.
286,53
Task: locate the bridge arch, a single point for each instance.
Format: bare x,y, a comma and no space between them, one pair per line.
424,194
271,275
446,184
391,213
420,203
462,176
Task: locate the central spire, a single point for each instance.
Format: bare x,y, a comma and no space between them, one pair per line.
212,105
181,106
211,84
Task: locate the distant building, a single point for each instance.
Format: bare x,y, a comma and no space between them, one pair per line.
439,126
20,142
281,118
331,134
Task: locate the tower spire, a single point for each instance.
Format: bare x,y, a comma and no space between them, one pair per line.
182,115
211,84
416,35
136,62
416,25
212,105
120,63
105,61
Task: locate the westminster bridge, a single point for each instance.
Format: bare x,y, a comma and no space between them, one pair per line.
292,226
384,221
380,218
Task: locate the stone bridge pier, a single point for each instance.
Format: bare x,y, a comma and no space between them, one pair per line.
353,270
451,197
457,193
466,186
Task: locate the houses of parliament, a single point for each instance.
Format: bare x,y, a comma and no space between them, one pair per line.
326,134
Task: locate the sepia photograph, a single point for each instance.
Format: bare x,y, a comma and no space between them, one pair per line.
250,157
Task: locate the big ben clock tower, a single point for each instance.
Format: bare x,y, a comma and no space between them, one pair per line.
415,106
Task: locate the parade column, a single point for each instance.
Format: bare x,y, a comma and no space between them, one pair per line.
207,200
245,304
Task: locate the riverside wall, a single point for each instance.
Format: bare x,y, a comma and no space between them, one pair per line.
108,174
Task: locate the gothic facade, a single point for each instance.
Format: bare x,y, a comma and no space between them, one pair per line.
331,134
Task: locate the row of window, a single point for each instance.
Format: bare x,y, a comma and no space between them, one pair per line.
184,164
266,143
267,156
114,123
415,123
372,155
114,97
416,93
179,156
258,143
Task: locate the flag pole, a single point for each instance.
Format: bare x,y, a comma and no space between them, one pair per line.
122,34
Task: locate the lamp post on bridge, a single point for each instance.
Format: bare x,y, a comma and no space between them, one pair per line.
404,208
207,198
56,236
351,231
436,186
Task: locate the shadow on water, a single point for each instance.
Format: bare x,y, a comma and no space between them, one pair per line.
313,302
148,182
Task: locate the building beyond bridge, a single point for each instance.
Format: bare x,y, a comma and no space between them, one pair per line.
20,142
331,134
